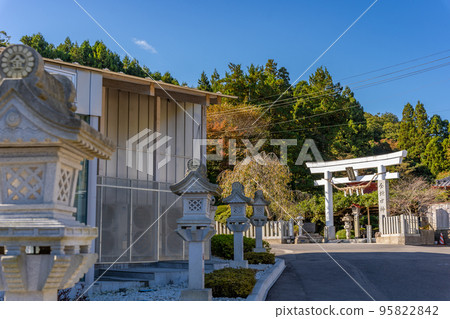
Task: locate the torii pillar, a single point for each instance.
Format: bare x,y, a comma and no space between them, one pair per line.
330,230
383,197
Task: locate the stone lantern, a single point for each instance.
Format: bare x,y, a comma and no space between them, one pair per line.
259,219
196,226
238,222
42,143
347,225
356,212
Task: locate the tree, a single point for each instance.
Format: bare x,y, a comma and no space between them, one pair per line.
412,195
435,154
407,128
97,56
263,172
4,39
421,136
203,83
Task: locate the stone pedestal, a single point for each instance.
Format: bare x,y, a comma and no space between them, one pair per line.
238,223
196,226
329,233
42,142
259,220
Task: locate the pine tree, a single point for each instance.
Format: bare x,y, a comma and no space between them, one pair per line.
203,83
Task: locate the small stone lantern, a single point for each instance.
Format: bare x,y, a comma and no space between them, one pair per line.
238,222
42,143
259,219
196,226
347,225
356,212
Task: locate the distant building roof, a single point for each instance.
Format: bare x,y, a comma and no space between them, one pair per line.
444,183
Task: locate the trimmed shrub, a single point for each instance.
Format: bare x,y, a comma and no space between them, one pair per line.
231,282
259,258
222,246
340,234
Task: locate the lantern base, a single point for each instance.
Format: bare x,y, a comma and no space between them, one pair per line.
196,295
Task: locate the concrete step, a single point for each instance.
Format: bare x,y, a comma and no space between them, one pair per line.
151,275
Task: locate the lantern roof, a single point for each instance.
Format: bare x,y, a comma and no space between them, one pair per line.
237,195
259,199
195,181
44,110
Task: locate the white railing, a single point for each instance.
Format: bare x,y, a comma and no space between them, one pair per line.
271,230
401,224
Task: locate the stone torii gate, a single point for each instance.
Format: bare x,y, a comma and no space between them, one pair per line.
351,166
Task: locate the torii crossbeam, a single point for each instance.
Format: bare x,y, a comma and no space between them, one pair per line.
380,162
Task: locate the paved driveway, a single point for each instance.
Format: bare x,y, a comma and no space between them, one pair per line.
385,272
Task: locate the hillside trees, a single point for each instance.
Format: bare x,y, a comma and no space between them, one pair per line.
96,56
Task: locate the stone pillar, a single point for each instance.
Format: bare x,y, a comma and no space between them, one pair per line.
42,143
259,219
330,230
196,226
238,222
383,196
369,233
300,225
356,213
347,225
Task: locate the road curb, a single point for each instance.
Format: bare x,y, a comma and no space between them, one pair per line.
263,285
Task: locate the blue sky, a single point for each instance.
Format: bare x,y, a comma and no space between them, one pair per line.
187,37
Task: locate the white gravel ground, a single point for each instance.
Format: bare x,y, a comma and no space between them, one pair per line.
163,293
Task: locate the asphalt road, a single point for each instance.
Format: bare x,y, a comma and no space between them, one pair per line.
369,271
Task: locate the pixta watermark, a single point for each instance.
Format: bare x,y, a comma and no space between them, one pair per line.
141,150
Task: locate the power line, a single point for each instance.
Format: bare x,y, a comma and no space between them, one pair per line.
294,99
321,55
393,66
293,120
401,70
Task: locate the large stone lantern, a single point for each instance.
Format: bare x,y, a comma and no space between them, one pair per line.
42,143
238,222
347,225
196,226
259,219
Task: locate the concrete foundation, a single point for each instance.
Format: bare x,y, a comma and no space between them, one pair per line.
196,295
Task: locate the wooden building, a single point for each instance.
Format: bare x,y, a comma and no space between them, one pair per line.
154,125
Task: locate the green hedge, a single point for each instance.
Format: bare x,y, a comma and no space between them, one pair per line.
222,246
340,234
231,282
259,258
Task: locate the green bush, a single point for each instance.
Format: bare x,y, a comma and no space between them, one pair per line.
340,234
231,282
259,258
222,246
